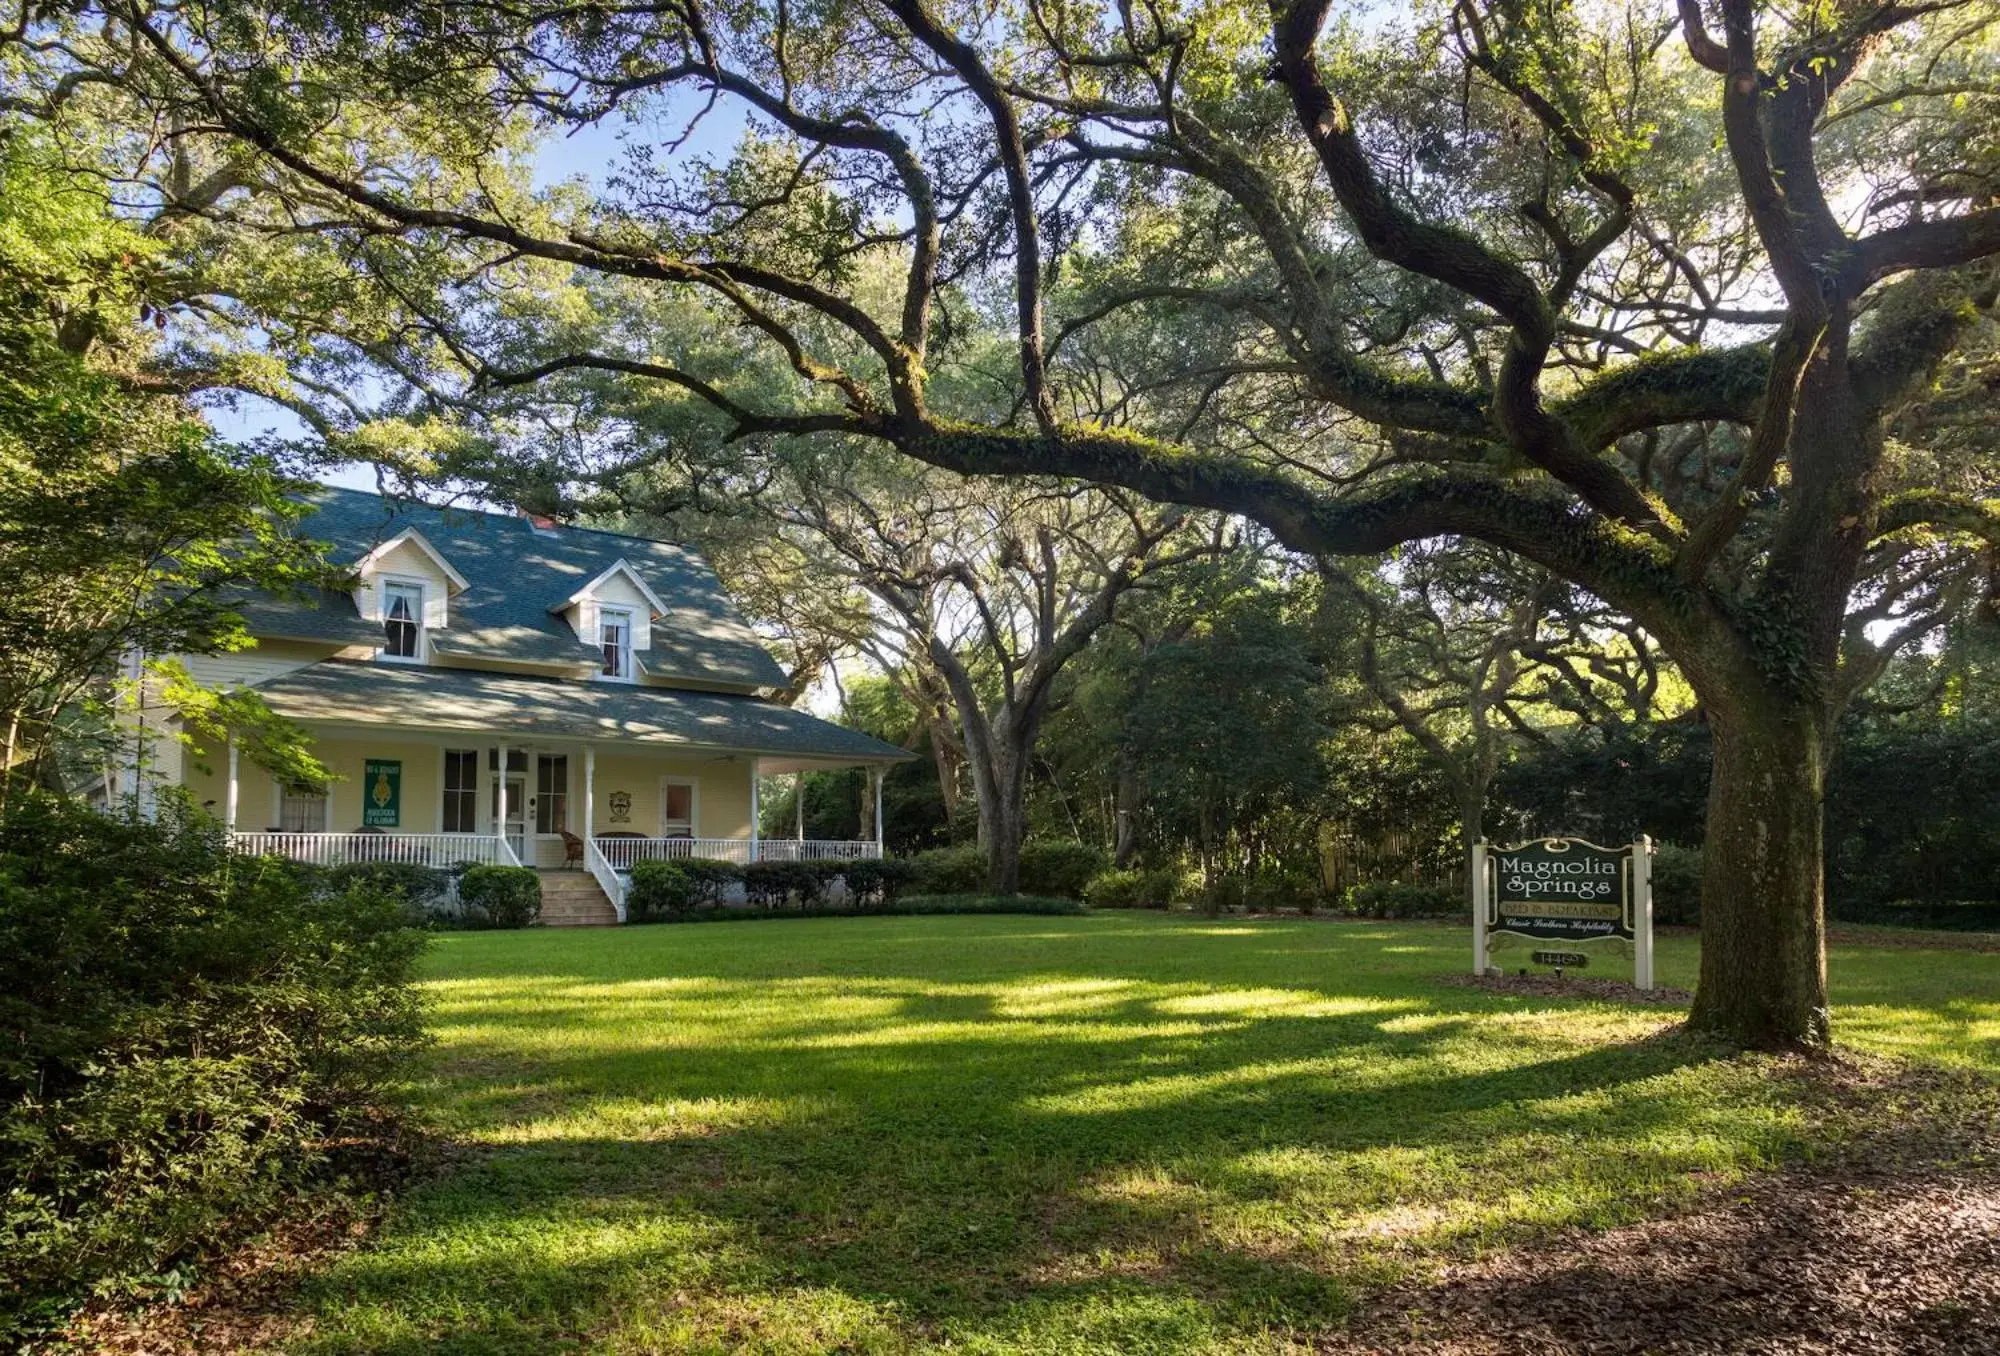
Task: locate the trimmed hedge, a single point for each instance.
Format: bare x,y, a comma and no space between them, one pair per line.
500,897
956,870
1060,867
1048,867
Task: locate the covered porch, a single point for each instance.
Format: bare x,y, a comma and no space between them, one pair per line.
442,768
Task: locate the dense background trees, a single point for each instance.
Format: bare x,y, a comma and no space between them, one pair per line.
1651,308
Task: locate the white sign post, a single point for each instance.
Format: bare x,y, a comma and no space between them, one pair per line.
1642,912
1480,901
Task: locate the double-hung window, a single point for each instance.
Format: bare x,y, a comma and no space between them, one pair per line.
614,633
403,621
461,791
302,809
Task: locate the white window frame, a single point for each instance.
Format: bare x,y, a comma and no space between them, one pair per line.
419,587
694,805
325,809
627,661
445,789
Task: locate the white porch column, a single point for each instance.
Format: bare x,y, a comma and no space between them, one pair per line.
879,779
799,803
500,798
755,809
229,799
589,794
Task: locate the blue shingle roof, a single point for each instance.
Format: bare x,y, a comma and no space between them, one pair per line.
410,697
517,573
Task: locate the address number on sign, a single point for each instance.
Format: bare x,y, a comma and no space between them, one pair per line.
1562,960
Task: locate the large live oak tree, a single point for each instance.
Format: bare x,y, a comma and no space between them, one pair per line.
1637,294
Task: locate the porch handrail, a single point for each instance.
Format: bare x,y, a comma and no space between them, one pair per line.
621,853
607,878
340,849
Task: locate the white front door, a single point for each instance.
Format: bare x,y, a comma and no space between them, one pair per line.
517,813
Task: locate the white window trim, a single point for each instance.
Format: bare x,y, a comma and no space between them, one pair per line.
479,814
693,785
631,652
422,587
409,536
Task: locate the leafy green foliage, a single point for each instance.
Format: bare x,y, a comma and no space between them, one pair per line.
1676,885
1392,899
1058,867
125,526
500,897
960,869
1131,890
189,1032
877,883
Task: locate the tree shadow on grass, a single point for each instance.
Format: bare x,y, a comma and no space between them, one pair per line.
942,1161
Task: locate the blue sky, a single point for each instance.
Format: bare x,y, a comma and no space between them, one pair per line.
592,153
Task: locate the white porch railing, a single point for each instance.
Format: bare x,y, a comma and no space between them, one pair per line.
620,853
817,850
339,849
606,857
606,877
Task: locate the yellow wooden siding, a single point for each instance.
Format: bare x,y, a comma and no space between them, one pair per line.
722,798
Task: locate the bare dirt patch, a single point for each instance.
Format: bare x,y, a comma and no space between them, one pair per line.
1548,986
1892,1249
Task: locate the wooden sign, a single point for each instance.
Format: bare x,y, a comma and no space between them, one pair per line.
1565,890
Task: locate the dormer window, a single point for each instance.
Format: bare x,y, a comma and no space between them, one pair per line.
614,633
403,621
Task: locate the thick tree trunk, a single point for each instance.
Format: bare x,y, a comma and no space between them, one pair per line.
1763,918
1125,804
1000,773
1471,828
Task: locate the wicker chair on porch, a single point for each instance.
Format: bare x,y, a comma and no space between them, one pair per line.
572,849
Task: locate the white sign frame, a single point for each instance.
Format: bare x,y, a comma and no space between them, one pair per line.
1639,903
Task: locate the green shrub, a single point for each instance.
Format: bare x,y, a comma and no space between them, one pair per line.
1271,890
1676,884
500,897
1131,889
774,885
1393,899
670,889
956,870
1221,894
660,890
188,1033
712,876
978,903
1060,867
426,890
877,883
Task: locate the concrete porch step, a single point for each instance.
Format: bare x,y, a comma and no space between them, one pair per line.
574,899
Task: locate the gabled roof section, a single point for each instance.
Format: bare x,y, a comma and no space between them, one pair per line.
618,567
503,615
409,536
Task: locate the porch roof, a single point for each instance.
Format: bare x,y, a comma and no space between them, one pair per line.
411,697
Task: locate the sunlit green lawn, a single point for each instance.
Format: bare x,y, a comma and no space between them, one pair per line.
1123,1133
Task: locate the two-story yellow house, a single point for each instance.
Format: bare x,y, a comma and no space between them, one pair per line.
502,689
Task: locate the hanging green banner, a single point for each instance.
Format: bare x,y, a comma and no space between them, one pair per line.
382,793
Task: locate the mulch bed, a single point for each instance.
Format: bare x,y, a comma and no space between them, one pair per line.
1548,986
1894,1250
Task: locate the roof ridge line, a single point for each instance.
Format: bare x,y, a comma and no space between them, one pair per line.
512,515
